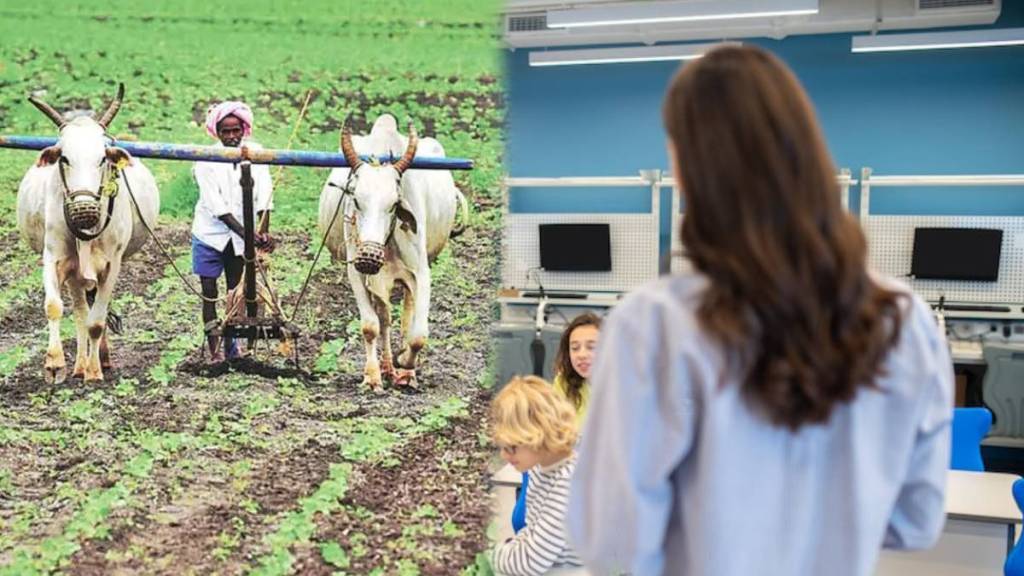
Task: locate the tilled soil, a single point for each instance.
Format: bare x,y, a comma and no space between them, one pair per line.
234,449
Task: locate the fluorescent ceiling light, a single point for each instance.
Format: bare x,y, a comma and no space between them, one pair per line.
631,54
939,40
692,10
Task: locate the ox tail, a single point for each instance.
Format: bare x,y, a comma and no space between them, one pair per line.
114,322
458,230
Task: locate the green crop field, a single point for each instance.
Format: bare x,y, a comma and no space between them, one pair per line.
256,467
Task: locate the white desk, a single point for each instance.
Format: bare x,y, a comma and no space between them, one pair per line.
983,497
981,526
507,476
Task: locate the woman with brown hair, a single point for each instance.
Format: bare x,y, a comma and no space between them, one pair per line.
780,409
574,360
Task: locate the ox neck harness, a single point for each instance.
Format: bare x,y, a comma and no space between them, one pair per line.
81,216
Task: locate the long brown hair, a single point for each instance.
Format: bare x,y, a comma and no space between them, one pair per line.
789,295
563,363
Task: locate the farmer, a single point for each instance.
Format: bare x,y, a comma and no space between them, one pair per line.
217,232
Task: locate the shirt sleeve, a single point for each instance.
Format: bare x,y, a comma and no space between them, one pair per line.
264,187
919,514
535,549
209,192
639,428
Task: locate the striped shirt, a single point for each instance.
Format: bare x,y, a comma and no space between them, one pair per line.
543,544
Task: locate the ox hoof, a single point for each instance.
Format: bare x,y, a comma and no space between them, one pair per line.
374,384
387,371
79,369
55,374
93,374
405,377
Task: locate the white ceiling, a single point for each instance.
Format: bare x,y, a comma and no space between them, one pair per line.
834,16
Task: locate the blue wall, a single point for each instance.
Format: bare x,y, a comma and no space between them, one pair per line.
931,112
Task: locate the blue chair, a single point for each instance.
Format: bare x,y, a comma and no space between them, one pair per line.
1014,565
970,425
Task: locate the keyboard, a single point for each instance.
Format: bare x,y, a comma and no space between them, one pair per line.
568,295
974,308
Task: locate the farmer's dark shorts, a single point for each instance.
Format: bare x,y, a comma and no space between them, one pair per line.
208,261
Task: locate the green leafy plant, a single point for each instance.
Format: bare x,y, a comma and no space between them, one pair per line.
126,387
11,359
6,484
370,442
297,527
334,554
452,530
425,511
481,566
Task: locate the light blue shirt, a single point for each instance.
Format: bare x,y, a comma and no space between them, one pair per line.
677,475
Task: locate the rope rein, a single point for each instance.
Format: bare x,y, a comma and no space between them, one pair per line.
323,242
160,245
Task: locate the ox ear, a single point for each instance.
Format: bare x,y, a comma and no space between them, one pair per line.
118,156
404,213
48,156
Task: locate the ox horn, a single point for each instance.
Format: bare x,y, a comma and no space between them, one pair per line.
108,115
348,149
410,151
48,110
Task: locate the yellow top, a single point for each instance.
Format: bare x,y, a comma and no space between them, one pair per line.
562,387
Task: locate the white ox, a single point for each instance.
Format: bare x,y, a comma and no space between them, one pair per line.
392,223
80,168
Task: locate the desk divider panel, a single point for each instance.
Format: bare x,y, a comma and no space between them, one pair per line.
633,244
891,246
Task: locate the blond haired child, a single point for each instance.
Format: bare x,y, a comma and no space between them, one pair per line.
535,429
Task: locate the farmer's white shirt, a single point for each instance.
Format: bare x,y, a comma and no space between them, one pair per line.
220,193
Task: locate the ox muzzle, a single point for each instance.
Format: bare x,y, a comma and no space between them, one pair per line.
370,258
82,210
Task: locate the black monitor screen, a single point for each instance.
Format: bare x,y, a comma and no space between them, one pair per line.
956,254
575,247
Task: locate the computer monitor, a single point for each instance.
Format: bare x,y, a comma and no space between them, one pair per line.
956,254
575,247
